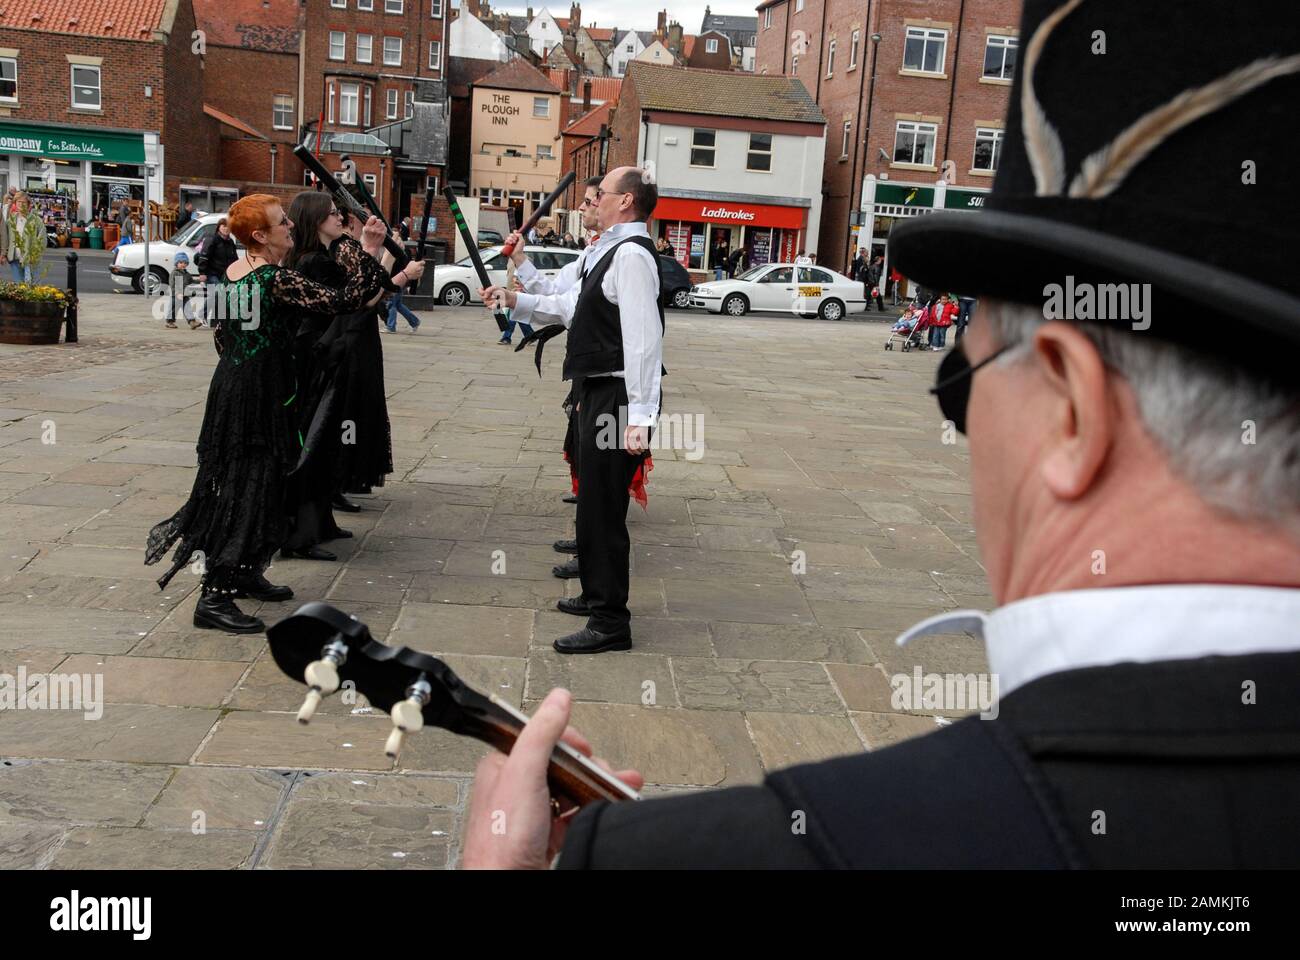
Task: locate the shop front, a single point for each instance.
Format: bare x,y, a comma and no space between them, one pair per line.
76,173
884,203
705,234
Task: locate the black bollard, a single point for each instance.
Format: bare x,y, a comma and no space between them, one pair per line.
71,335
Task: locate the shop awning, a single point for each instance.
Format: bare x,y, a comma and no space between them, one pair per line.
71,143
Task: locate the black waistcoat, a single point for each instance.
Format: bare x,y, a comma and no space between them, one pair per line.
595,343
1174,764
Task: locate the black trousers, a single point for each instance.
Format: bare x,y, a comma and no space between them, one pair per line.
604,472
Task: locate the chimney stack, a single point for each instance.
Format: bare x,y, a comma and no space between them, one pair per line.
530,14
661,29
575,17
586,97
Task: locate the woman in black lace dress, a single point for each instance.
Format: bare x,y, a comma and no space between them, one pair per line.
234,519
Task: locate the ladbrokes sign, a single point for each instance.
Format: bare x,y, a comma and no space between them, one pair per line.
722,213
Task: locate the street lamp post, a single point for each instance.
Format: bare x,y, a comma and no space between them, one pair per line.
146,278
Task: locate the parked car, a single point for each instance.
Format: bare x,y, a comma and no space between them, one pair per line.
675,286
457,284
809,291
127,268
490,238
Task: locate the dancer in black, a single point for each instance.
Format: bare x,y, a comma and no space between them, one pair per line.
234,519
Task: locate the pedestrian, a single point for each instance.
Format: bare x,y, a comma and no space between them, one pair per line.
1130,693
965,307
857,267
27,240
569,242
896,281
404,229
218,254
395,306
614,355
513,283
945,313
185,216
176,289
875,273
736,262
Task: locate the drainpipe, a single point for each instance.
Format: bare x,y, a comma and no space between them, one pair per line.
952,89
859,143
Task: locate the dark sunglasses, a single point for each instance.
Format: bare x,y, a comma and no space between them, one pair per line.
952,384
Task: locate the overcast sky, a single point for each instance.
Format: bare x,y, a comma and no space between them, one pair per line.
636,14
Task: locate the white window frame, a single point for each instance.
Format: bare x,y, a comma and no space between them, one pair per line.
370,48
712,148
435,54
798,6
1006,43
844,142
344,98
548,155
388,61
330,115
767,19
853,49
830,58
278,101
927,36
410,104
366,6
367,98
342,45
431,183
435,9
341,4
983,135
14,61
98,87
545,104
711,45
629,48
394,96
752,151
395,6
371,182
794,65
917,129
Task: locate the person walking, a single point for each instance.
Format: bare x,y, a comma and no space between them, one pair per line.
27,240
965,307
875,274
395,305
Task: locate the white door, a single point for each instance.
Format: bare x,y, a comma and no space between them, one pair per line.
774,289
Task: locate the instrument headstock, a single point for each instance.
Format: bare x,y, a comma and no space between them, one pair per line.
325,648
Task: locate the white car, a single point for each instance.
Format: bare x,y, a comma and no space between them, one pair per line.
457,284
127,267
807,290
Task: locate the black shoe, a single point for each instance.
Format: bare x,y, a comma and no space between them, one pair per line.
566,571
565,546
578,606
340,534
570,498
588,640
341,502
259,588
310,553
215,613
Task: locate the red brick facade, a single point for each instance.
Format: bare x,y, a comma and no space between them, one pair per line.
226,87
957,101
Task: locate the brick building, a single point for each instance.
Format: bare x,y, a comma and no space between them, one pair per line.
90,92
924,102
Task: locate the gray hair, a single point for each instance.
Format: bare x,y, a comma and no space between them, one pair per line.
1205,415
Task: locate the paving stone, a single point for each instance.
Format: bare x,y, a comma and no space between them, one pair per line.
484,591
278,740
807,642
436,521
228,799
77,631
880,730
194,644
110,794
623,678
114,848
765,685
127,732
786,739
863,688
158,680
408,790
27,846
33,660
747,602
322,835
53,494
456,628
266,688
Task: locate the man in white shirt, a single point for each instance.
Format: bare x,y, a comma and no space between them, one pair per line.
1135,489
614,356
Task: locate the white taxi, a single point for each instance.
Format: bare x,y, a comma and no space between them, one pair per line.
804,289
456,284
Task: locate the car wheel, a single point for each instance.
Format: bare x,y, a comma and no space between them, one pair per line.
157,281
682,298
831,310
455,295
735,305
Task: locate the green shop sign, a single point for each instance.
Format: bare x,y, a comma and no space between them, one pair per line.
904,195
64,143
964,199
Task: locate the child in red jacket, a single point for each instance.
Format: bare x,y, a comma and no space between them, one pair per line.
945,314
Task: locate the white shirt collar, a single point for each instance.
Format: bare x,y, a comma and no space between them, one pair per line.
1037,636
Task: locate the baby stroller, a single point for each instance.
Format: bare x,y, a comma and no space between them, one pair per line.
909,329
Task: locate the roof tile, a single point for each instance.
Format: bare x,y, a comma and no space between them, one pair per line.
518,74
723,93
119,19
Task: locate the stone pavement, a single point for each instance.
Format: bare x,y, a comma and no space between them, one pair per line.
769,578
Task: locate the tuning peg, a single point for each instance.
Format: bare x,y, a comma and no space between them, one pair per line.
408,715
322,677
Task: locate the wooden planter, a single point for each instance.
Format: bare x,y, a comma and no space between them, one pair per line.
30,322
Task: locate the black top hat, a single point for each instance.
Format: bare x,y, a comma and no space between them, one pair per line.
1147,143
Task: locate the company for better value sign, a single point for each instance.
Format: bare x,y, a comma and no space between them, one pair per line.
62,143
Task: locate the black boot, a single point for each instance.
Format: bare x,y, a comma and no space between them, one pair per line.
565,546
588,640
570,498
567,570
578,606
257,587
216,611
343,503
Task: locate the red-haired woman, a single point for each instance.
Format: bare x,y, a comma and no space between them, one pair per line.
234,519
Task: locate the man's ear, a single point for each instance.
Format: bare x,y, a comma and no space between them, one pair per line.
1081,425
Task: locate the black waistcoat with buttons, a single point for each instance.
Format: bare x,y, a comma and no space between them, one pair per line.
595,342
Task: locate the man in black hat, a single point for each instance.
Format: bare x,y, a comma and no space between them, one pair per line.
1135,476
